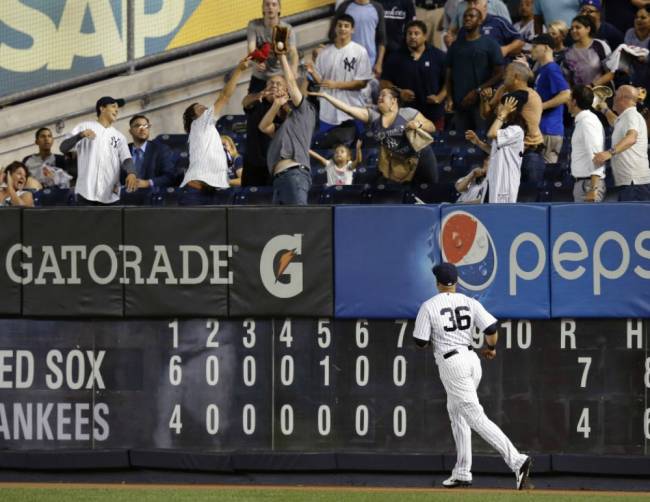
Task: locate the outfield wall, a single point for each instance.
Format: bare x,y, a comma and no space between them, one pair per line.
524,261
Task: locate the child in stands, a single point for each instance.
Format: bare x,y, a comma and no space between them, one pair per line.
340,167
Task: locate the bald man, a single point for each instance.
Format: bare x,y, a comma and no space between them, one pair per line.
629,151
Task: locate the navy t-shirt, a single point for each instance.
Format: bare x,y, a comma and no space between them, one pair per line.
498,28
424,77
549,82
472,63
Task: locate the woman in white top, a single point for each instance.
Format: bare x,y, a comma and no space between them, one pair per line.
14,177
506,152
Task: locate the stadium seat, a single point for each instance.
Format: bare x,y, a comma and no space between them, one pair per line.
364,175
208,198
446,173
385,194
315,193
528,192
318,175
562,190
453,138
173,141
229,124
141,197
54,196
254,196
166,197
343,194
433,194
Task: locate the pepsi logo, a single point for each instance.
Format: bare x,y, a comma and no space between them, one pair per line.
465,242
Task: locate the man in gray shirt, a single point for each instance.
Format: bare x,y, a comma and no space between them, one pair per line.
288,154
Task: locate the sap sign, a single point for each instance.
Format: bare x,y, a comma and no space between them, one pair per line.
601,260
500,252
520,261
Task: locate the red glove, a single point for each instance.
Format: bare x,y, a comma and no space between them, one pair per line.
262,54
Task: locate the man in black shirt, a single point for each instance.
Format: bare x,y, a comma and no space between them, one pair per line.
256,104
418,72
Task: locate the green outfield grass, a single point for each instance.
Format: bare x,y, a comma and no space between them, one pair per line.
293,495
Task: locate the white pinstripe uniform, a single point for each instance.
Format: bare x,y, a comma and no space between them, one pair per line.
208,161
448,320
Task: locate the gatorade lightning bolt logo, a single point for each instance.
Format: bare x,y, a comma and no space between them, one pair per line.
466,243
281,275
285,259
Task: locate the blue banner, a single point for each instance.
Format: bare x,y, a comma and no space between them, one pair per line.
601,260
383,259
500,252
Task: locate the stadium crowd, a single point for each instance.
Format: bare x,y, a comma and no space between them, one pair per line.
494,99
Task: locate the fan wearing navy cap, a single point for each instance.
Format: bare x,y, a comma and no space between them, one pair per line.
102,152
447,320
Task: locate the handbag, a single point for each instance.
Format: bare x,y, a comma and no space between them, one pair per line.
395,167
418,138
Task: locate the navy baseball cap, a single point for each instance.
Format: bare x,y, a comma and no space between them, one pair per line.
446,273
107,100
544,39
594,3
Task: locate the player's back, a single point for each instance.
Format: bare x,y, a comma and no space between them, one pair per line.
452,317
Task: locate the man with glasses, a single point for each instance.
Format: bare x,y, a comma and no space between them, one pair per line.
604,30
153,162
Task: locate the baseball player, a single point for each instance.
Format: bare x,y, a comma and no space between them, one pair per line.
448,320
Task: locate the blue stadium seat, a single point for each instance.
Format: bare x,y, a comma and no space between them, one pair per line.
452,138
141,197
364,175
343,194
229,124
167,197
173,141
562,190
54,196
434,193
315,194
318,175
385,194
254,196
446,173
528,192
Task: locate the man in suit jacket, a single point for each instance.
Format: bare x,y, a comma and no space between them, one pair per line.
153,161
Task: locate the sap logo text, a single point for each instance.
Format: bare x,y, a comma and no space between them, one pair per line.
58,34
281,275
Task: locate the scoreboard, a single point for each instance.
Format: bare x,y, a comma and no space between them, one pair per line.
314,385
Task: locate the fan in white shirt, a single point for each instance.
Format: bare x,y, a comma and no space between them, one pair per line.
587,140
102,151
344,68
506,152
629,151
208,164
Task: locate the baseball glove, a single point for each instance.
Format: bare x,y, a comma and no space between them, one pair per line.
280,39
